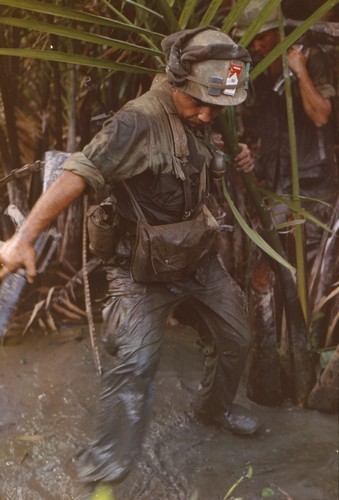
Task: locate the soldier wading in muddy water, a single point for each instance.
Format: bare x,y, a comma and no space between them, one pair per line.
155,155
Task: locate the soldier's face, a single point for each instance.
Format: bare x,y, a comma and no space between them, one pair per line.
194,112
265,42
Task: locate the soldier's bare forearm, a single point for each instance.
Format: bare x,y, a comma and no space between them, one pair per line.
51,203
317,108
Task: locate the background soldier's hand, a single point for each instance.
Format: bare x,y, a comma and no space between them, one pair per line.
297,59
17,253
218,140
243,161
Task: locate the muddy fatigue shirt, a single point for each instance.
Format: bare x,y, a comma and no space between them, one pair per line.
137,145
315,146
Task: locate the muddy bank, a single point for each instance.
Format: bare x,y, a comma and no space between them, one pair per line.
47,396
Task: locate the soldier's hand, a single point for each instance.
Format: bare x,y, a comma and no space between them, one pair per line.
16,253
244,161
297,59
218,140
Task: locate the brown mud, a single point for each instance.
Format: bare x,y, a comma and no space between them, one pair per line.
48,387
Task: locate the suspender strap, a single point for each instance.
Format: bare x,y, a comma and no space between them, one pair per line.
180,160
188,213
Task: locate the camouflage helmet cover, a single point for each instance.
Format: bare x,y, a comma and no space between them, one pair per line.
207,64
248,16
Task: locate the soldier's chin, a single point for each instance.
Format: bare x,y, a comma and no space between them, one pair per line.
194,124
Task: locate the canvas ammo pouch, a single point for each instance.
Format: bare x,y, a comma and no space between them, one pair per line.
171,252
103,225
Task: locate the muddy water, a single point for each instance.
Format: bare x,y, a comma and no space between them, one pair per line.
47,395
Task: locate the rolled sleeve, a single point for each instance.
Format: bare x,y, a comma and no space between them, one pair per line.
79,164
326,90
321,73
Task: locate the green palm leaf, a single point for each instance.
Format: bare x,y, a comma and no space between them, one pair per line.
187,12
210,12
285,200
63,12
71,33
253,235
234,15
63,57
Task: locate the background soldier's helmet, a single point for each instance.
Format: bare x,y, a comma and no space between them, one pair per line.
249,15
208,65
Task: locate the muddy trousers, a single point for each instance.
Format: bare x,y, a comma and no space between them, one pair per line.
134,323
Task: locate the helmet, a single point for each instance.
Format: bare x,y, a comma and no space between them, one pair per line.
210,67
249,14
207,79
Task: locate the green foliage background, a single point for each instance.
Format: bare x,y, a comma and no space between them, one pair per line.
48,47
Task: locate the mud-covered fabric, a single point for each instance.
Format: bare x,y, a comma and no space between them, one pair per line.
135,316
136,144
